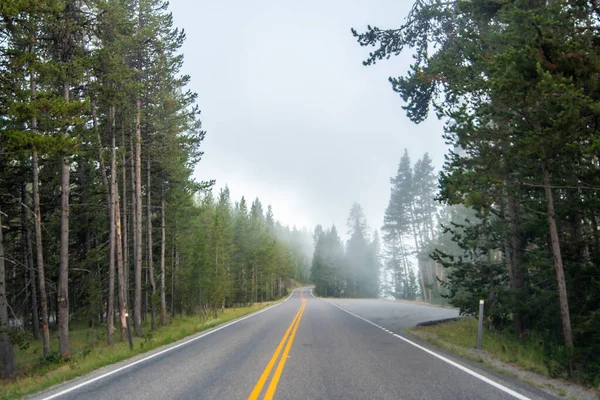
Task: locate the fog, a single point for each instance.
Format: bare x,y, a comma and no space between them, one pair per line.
292,116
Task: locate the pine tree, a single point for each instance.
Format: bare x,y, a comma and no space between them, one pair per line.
398,225
518,93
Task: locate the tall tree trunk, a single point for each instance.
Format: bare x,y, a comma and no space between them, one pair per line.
409,290
137,321
397,274
558,264
84,199
121,275
138,192
28,261
419,262
7,355
163,243
125,244
39,251
173,278
149,258
254,290
145,296
133,214
112,234
119,243
63,272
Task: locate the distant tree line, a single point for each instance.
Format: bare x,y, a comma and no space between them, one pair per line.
517,84
347,271
99,214
239,255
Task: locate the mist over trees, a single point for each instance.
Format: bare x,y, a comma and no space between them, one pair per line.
516,83
350,270
409,231
100,215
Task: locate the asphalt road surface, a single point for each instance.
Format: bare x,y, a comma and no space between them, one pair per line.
303,348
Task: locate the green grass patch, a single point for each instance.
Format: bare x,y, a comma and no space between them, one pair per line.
528,352
90,351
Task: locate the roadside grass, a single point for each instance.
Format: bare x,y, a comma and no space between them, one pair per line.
525,360
527,353
90,351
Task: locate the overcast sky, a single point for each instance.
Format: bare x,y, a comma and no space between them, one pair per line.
292,116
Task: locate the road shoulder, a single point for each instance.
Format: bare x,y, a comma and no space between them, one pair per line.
481,358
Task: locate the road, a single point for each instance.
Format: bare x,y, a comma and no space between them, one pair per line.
303,348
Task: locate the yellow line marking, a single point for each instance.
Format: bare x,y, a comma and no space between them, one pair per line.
279,370
263,378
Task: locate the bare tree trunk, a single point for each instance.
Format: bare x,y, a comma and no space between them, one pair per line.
407,275
427,267
137,321
37,214
163,243
120,267
63,272
39,249
28,261
132,164
7,355
423,287
438,275
173,278
149,258
84,199
110,203
254,283
40,252
175,274
125,245
419,262
112,234
145,296
138,194
558,265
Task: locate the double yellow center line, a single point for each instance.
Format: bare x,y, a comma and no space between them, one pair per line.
289,334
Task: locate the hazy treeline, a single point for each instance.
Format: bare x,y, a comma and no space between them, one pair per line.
351,270
99,212
239,255
517,83
410,231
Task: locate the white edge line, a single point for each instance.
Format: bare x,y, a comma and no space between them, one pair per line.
82,384
454,364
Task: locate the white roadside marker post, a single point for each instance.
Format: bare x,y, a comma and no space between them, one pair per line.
480,329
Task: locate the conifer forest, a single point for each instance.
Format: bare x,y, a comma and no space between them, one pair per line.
104,223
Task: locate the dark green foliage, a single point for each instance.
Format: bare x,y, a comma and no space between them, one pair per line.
235,258
106,54
517,83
